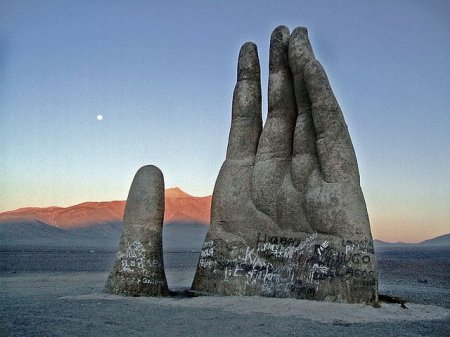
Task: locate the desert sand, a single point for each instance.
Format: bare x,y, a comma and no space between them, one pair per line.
73,304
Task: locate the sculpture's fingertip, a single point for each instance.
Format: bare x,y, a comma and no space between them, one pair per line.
152,175
300,50
280,31
149,170
249,47
300,32
279,43
248,63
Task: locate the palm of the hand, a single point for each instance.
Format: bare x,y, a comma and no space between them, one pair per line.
288,215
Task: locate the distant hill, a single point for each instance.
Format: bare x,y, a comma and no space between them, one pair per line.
77,216
443,240
16,232
177,236
179,207
99,224
182,207
39,234
379,244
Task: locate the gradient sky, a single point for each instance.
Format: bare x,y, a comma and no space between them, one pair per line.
162,75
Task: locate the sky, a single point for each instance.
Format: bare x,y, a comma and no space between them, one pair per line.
162,73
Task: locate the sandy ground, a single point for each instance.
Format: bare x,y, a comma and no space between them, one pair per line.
72,304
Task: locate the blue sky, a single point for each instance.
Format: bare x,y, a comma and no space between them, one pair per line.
162,75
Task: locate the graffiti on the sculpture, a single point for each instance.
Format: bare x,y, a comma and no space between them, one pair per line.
145,280
133,257
291,267
284,240
137,266
208,244
152,281
364,245
207,252
205,263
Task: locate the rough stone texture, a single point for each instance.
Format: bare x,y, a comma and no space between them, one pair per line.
288,215
139,268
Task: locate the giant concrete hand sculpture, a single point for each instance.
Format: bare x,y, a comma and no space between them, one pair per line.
288,215
139,269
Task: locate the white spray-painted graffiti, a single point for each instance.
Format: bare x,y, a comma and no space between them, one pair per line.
291,267
133,257
139,267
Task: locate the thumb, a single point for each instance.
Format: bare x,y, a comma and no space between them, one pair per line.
139,269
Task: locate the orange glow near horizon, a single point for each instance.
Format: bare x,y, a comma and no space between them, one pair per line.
407,229
403,224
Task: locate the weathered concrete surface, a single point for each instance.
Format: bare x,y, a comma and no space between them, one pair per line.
288,215
139,268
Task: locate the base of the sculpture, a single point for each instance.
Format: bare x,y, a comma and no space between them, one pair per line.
316,267
131,286
138,270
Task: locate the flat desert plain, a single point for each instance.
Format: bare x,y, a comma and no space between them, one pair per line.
59,293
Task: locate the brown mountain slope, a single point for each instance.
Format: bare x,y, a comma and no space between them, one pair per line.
180,206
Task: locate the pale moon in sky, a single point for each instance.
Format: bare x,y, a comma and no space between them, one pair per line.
99,117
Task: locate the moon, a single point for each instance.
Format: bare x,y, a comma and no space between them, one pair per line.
99,117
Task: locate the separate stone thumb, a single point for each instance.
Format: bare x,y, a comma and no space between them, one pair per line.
139,268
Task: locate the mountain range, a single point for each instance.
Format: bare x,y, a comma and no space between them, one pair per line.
442,240
179,207
99,224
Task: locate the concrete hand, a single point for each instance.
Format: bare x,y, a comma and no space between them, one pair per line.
288,216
